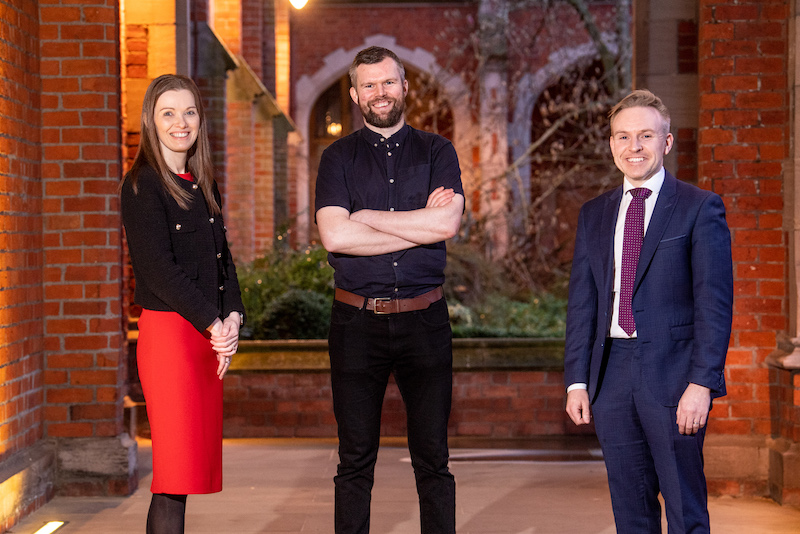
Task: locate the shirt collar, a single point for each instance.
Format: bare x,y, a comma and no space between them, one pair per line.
375,138
653,183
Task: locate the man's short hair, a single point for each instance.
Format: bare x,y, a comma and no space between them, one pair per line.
641,98
371,56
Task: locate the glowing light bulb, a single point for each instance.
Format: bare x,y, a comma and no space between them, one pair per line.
298,4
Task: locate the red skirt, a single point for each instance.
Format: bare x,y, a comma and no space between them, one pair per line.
183,395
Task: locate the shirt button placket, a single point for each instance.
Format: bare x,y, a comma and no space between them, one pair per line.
390,174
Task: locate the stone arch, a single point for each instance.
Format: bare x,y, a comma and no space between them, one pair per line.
532,85
310,87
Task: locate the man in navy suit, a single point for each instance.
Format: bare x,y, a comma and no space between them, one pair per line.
648,325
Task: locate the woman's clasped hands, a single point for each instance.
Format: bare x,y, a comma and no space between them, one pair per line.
225,340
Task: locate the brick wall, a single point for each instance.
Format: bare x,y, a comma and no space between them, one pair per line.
263,187
240,202
252,34
285,194
493,404
21,256
268,45
743,138
84,368
212,89
228,23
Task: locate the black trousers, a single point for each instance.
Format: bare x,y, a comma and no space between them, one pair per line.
365,349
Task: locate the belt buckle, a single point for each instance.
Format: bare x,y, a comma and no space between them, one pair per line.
375,305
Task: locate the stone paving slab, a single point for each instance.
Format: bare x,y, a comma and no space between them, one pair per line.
275,486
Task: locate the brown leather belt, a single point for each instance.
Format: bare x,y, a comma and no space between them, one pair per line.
386,305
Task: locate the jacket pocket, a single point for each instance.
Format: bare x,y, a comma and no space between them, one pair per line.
673,241
181,227
685,331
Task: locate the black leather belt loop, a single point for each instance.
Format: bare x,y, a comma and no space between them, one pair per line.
386,305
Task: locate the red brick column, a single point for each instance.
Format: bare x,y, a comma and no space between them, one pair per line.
83,327
263,188
743,140
21,304
21,301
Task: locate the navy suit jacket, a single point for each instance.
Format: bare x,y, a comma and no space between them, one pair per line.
682,299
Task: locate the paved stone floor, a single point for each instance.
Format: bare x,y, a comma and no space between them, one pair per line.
285,486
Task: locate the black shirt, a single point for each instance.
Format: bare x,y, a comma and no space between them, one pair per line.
367,171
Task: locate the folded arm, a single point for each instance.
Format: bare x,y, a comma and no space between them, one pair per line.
374,233
340,234
437,221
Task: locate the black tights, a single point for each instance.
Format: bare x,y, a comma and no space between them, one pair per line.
167,513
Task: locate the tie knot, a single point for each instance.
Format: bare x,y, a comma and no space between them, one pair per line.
640,192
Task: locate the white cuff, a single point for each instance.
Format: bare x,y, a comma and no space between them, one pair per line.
577,385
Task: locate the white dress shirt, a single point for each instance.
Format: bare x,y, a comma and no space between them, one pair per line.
654,184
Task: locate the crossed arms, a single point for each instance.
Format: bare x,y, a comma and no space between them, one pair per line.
373,232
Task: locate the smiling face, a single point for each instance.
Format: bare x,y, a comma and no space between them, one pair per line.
380,93
639,141
177,123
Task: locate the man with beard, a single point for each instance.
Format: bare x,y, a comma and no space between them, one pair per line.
387,197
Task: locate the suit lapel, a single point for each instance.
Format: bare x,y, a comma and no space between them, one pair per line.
605,240
662,213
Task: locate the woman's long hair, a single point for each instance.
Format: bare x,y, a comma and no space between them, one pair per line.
198,161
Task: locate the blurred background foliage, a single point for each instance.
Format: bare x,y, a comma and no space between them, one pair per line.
287,295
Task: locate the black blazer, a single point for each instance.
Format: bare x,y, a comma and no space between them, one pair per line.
180,258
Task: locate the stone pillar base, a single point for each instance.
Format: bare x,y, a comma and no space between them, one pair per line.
784,447
96,466
784,471
27,481
736,465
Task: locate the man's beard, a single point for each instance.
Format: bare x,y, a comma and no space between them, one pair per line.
387,121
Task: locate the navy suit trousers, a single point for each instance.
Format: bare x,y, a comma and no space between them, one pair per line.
644,452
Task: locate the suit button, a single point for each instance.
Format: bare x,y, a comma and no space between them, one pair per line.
211,220
178,226
222,288
194,186
219,255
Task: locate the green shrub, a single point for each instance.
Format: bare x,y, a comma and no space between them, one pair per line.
501,316
272,281
287,295
297,314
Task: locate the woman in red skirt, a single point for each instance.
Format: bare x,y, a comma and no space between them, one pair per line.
186,284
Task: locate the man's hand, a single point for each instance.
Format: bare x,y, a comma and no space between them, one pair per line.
578,407
693,409
440,197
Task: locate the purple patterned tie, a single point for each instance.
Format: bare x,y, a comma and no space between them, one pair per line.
631,247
